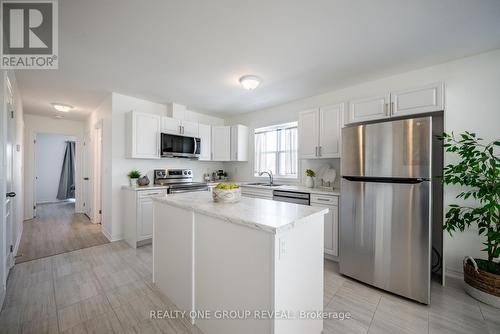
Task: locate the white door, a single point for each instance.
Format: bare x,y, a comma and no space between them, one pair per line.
170,125
418,100
330,123
308,131
9,127
205,134
10,194
190,129
375,107
221,143
86,174
146,137
145,218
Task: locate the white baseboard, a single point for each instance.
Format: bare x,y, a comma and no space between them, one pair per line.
110,237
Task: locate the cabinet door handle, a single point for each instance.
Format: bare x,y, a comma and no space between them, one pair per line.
386,109
319,151
392,108
316,151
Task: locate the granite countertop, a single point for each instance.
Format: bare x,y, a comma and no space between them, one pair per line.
297,188
270,216
148,187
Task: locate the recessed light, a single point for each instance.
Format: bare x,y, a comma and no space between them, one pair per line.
58,117
250,82
62,107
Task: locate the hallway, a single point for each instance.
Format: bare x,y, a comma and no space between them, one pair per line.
57,229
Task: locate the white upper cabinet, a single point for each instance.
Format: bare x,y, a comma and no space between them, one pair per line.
418,100
205,134
170,125
366,109
179,127
190,129
143,141
412,101
221,143
319,132
330,123
308,129
239,143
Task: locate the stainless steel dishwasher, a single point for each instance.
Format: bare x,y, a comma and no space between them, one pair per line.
292,197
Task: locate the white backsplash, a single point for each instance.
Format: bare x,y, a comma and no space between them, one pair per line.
243,171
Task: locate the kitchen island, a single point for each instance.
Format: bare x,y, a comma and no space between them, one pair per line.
255,266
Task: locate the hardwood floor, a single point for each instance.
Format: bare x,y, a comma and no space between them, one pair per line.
108,289
57,229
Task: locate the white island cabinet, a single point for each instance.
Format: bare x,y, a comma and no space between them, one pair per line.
260,257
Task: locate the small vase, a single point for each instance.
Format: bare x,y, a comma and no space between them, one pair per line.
133,182
309,182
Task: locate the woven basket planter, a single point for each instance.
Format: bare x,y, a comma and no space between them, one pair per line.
481,285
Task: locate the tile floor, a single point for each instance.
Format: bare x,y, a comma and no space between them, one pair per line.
107,289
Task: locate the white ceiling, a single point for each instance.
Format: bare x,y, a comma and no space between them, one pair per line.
193,52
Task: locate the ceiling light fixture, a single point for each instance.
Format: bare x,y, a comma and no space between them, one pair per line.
250,82
62,107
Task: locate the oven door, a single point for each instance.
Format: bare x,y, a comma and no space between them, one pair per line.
179,146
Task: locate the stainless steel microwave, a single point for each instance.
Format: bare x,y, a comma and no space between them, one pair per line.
175,146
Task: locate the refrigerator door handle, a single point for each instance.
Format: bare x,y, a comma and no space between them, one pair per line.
385,179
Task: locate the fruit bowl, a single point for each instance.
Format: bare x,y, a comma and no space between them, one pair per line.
226,193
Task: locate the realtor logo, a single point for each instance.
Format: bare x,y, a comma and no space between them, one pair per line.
29,34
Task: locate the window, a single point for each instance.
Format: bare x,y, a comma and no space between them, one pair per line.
276,150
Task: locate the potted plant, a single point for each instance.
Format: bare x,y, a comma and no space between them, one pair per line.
309,178
478,173
133,176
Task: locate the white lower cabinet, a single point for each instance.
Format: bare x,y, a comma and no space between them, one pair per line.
323,201
138,215
331,228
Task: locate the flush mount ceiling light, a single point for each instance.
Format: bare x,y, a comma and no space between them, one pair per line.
250,82
62,107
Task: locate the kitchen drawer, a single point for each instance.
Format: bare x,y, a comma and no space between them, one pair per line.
256,192
324,199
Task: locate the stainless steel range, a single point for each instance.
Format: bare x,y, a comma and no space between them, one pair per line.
178,180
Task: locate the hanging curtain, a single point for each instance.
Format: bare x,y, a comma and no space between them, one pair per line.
67,180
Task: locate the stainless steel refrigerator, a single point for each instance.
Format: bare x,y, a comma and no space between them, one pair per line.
391,202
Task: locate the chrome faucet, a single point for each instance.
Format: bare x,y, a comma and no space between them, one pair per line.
270,173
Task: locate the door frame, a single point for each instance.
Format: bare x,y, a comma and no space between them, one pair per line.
97,184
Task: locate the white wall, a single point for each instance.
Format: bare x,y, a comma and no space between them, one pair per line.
472,103
38,124
121,104
50,149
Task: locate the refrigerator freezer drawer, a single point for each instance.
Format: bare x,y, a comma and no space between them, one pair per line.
385,236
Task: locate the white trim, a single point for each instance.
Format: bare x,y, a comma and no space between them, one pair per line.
110,237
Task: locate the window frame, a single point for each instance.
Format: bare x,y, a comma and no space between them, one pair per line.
279,150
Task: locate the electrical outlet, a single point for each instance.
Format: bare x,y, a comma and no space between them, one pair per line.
282,247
